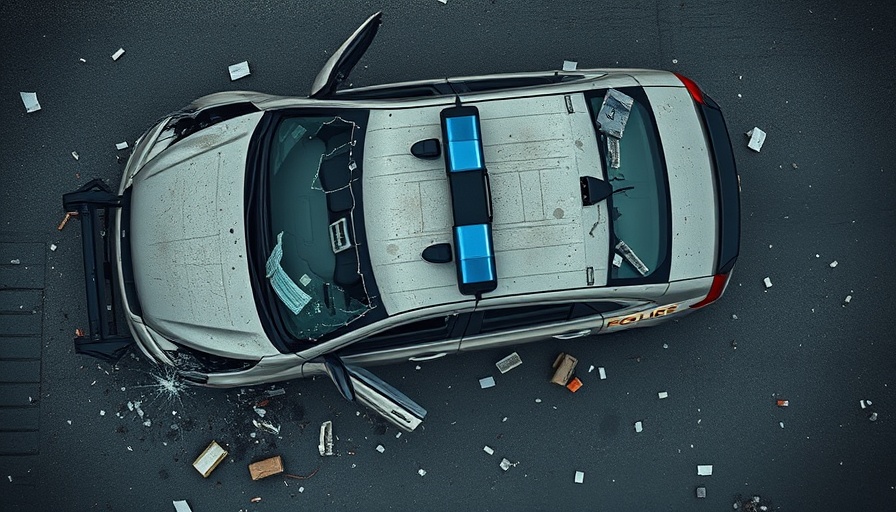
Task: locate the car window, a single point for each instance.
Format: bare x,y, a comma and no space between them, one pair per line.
639,215
494,320
495,84
420,331
583,309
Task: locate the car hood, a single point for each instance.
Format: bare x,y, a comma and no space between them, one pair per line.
188,243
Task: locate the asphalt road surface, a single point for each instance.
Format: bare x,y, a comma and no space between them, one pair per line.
816,76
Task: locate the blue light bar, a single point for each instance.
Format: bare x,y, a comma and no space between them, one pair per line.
475,253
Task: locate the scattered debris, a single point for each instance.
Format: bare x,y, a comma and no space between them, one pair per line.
488,449
846,300
65,219
130,449
102,412
181,506
580,477
275,392
663,394
325,446
639,426
118,53
574,384
591,368
259,411
793,164
538,400
757,139
121,145
872,416
833,264
617,260
29,99
734,344
256,499
564,366
380,448
509,363
68,421
83,61
734,317
265,468
701,492
75,155
632,258
10,478
768,283
421,472
267,426
443,2
783,403
209,459
602,372
781,423
15,262
53,247
487,382
397,435
570,65
239,70
665,345
506,464
864,403
704,469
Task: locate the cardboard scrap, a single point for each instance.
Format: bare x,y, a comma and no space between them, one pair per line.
209,459
564,366
265,468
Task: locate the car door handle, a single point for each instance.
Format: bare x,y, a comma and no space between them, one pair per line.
571,335
428,358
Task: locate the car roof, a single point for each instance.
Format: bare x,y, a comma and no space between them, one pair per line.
535,151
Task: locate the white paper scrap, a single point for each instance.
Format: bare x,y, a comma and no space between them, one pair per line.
239,70
182,506
757,138
781,423
486,382
30,101
488,450
639,426
663,394
862,404
833,263
121,145
704,469
602,372
768,282
591,368
569,65
421,472
75,155
580,477
118,53
380,448
506,464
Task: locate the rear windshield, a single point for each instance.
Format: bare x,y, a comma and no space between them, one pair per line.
639,206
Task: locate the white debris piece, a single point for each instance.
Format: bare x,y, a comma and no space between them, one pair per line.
509,363
734,317
704,469
421,472
781,423
847,299
570,65
82,60
639,426
486,382
239,70
665,345
75,155
147,423
380,448
538,400
53,247
663,394
10,477
325,446
30,101
68,421
768,282
15,262
304,279
118,53
302,489
591,368
617,260
602,372
833,264
506,464
757,138
121,145
102,412
488,450
130,449
580,477
873,416
259,411
181,506
674,61
397,435
444,2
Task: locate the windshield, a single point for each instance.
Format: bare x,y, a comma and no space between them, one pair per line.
313,263
636,171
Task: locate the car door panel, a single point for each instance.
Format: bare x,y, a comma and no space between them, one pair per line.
385,349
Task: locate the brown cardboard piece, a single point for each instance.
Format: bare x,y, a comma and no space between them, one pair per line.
265,468
564,366
209,459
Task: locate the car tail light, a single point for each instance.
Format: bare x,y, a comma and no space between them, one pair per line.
693,88
715,291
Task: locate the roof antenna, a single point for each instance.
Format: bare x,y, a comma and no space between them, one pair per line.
456,95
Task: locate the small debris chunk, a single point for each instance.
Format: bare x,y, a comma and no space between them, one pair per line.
259,411
487,382
768,283
781,423
591,368
275,392
53,247
239,70
102,412
421,472
602,372
704,469
509,363
75,155
181,506
488,449
256,499
564,366
701,492
783,403
846,300
29,99
266,426
574,384
580,477
617,260
639,426
209,459
380,448
506,464
734,317
570,65
82,60
663,394
833,264
757,139
265,468
325,446
118,53
121,145
872,416
15,262
665,345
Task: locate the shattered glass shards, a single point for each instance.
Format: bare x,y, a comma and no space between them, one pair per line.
614,112
239,70
30,101
286,289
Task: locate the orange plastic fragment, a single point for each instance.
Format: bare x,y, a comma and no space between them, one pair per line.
574,384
